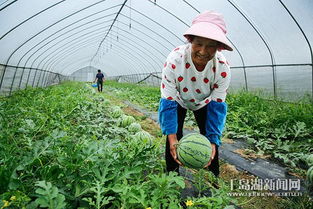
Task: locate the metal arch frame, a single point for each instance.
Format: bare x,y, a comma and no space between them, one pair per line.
107,9
124,36
56,61
51,26
142,46
253,25
169,13
122,58
12,29
109,30
43,31
76,28
191,5
89,33
35,74
306,38
86,58
129,52
43,59
69,30
133,28
133,20
125,57
276,65
32,55
62,20
145,41
58,36
155,23
243,64
263,40
18,25
75,49
7,5
133,36
62,45
41,70
66,52
126,54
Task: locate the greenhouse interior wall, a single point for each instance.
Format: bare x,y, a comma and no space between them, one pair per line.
130,40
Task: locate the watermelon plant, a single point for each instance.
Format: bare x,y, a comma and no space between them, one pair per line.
282,130
309,177
60,149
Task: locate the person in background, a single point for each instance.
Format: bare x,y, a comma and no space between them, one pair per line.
99,79
196,77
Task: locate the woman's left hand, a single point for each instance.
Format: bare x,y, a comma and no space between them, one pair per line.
212,155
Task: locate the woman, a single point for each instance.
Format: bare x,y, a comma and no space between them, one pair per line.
196,77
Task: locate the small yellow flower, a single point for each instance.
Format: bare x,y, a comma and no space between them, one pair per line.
189,203
5,204
149,208
13,198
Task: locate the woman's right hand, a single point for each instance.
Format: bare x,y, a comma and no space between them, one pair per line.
173,142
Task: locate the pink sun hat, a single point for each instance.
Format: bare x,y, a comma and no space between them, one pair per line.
210,25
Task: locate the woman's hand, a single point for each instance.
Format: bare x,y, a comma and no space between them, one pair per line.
173,142
212,155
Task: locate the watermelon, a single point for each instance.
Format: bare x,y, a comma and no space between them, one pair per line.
309,176
194,150
134,127
126,120
144,137
116,112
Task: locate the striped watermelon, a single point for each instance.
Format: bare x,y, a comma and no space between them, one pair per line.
194,150
309,176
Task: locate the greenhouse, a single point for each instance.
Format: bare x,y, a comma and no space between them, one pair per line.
104,103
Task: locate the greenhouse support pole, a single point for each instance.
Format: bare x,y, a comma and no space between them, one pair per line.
306,39
264,41
243,65
39,78
19,85
11,88
109,30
